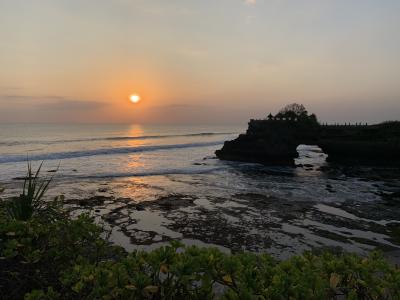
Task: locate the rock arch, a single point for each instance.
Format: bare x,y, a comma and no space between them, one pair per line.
274,142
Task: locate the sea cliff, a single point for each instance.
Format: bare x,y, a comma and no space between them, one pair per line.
273,141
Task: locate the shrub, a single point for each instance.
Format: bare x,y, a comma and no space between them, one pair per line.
31,200
196,273
70,260
33,253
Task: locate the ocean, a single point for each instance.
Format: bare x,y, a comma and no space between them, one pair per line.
180,190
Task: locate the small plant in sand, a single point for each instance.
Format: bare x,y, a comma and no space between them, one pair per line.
32,201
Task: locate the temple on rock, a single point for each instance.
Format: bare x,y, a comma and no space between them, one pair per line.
274,140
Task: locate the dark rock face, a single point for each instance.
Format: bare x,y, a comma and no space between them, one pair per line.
252,149
374,144
274,142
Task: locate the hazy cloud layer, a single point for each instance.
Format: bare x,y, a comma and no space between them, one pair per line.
198,61
50,102
73,105
250,2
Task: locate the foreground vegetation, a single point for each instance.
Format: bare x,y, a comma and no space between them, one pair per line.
46,255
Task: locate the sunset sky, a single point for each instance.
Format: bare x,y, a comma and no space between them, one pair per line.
198,61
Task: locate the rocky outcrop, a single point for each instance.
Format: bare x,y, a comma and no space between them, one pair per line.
267,141
374,144
274,142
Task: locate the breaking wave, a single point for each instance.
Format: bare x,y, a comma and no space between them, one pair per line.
103,151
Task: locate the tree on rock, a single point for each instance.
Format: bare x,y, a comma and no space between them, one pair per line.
295,110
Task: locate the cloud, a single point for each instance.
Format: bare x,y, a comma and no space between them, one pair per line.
27,99
9,88
179,106
52,102
73,105
250,2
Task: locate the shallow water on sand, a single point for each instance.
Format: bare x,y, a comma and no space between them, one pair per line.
151,184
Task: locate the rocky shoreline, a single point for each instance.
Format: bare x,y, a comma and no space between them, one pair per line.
246,221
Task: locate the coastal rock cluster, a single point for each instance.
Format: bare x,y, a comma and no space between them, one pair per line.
273,141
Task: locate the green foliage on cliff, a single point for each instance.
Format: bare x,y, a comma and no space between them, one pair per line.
297,112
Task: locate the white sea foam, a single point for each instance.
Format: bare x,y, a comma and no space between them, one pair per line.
102,151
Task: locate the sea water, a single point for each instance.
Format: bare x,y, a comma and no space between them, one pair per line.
301,208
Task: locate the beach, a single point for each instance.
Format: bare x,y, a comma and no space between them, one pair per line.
149,185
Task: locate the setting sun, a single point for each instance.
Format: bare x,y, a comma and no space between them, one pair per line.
134,98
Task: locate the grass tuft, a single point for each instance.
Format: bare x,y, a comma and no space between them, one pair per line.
31,201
